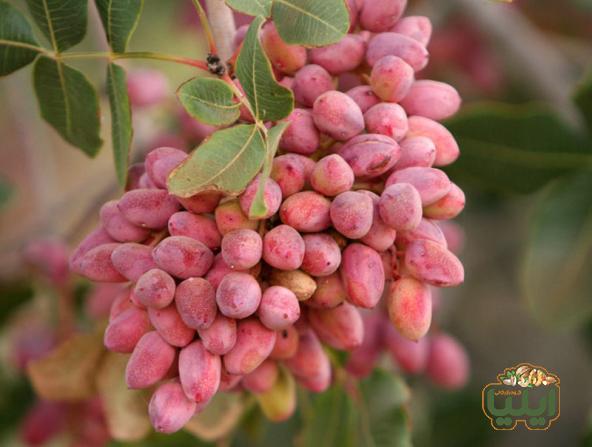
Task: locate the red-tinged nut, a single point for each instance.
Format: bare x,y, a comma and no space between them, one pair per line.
410,356
220,336
285,58
278,403
340,327
279,308
322,255
238,295
432,184
254,343
272,197
286,344
229,217
351,214
332,175
381,15
330,292
195,299
126,329
121,303
432,99
183,257
148,208
262,378
171,327
310,365
301,136
155,289
310,82
160,162
426,229
203,202
343,56
448,363
416,152
364,97
431,262
370,155
242,249
199,372
169,408
448,207
97,237
387,119
118,227
283,248
400,207
362,274
291,172
391,78
397,45
454,235
146,87
200,228
132,260
362,360
447,150
306,211
381,236
150,361
96,264
229,382
409,304
416,27
337,115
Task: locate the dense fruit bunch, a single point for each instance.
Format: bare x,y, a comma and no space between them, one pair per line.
218,300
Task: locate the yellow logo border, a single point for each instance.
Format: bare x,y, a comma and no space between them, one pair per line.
499,382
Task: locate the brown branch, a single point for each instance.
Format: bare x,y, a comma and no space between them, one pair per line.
223,27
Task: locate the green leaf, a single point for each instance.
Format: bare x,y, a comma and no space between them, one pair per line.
251,7
332,421
6,192
18,46
383,417
269,100
373,416
121,119
209,100
14,294
62,21
69,103
311,23
258,207
119,18
583,98
556,272
515,149
226,162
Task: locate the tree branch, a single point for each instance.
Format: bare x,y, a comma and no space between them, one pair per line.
528,52
223,27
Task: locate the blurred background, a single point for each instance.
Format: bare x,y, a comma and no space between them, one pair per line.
530,51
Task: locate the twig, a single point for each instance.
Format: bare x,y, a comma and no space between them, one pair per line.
528,52
223,27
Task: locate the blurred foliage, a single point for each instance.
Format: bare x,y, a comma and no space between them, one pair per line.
456,420
14,295
515,149
6,193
